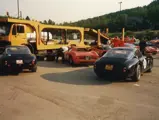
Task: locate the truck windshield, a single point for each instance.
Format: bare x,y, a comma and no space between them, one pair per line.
4,28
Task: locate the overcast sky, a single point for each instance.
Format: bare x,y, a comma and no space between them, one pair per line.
66,10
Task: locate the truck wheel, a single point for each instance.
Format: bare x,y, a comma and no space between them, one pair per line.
137,75
50,58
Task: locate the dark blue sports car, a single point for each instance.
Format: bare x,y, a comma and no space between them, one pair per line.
16,58
123,62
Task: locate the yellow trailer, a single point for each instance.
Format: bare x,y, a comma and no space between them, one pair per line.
42,37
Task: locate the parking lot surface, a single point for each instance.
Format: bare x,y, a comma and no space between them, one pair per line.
61,92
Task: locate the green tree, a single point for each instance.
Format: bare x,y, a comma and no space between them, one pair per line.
27,18
45,22
135,19
51,22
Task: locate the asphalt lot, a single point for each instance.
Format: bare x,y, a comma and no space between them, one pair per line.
60,92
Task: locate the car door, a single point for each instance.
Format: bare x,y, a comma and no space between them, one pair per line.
18,36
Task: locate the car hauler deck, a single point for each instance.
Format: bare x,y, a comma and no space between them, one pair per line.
42,37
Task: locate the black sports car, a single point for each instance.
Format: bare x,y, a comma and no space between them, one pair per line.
123,62
14,59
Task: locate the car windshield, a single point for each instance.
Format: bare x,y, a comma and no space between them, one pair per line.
119,53
4,29
18,50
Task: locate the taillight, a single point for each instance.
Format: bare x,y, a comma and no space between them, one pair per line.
124,69
33,62
6,62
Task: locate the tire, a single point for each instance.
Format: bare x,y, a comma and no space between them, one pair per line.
151,66
154,53
71,62
34,69
40,58
50,58
137,75
16,73
99,75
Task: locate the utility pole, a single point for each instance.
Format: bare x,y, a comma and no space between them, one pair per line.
18,7
120,5
20,14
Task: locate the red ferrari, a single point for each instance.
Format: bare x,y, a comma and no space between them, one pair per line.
151,49
102,50
78,55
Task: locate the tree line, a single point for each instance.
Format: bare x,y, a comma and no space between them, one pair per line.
136,19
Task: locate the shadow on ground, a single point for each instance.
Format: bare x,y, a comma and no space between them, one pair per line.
53,64
76,77
12,74
79,77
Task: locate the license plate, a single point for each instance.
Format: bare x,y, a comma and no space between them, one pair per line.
87,58
19,62
109,67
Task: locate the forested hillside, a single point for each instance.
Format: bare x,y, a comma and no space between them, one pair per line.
136,19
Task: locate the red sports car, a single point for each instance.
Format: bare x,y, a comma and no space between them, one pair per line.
78,55
151,49
102,50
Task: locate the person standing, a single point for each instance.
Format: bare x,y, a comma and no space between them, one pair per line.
142,45
61,53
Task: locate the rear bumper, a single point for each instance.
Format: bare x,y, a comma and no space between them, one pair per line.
79,61
15,67
112,74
